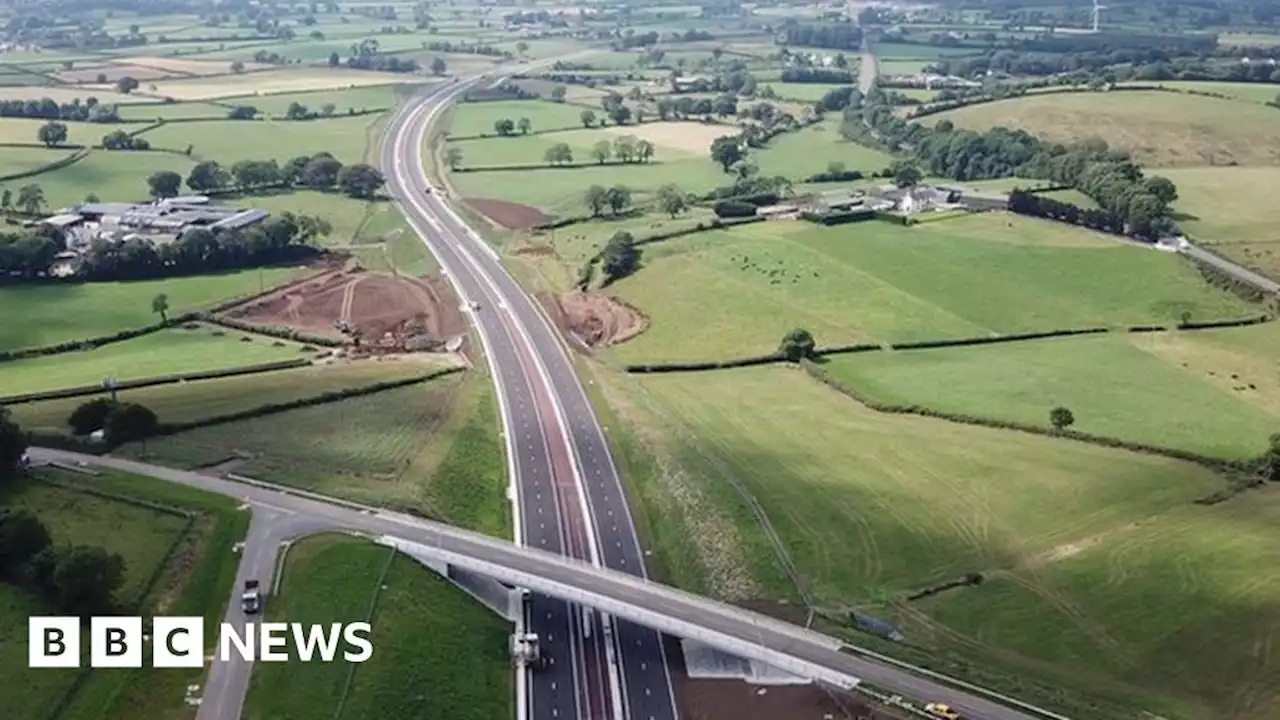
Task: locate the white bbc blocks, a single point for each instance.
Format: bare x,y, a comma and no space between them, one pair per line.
115,642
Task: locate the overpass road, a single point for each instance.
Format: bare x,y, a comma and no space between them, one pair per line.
627,596
570,498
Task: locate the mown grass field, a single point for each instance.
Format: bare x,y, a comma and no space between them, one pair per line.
16,160
1108,589
112,176
24,130
229,142
477,118
1172,390
739,291
160,353
207,398
360,98
438,654
809,92
50,314
433,447
1161,129
197,581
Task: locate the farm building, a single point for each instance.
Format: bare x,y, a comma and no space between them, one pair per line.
163,220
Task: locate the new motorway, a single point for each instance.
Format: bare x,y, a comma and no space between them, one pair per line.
570,499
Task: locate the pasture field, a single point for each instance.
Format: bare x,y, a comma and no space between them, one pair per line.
1226,205
15,160
920,94
361,98
24,130
1251,92
1172,390
1161,129
67,95
160,353
1107,587
197,582
113,176
389,447
173,111
809,92
51,314
808,151
1249,39
477,118
207,398
908,51
230,142
1073,196
270,82
437,653
901,67
184,66
739,291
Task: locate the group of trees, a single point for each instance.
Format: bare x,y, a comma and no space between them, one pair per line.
683,108
77,580
626,148
837,35
27,255
13,445
816,75
318,172
1026,203
30,199
616,199
45,108
119,422
121,140
506,127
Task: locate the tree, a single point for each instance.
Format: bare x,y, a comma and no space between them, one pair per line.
453,156
602,151
6,199
559,153
1162,188
558,93
620,114
334,59
207,175
327,109
588,118
22,536
620,257
1061,418
127,84
13,444
624,148
52,134
237,67
30,198
91,198
797,345
504,126
321,171
596,198
672,200
618,197
90,416
726,150
164,184
438,65
522,47
129,422
906,175
645,150
360,181
86,579
525,125
160,305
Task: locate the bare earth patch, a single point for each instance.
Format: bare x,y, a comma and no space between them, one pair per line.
686,137
599,320
387,313
512,216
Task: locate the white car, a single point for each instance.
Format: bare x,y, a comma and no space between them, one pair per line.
475,306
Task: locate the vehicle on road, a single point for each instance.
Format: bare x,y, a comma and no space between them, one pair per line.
474,306
526,652
251,598
943,712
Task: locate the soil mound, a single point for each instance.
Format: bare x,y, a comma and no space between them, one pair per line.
599,320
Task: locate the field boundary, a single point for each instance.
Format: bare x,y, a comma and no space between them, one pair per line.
93,342
67,160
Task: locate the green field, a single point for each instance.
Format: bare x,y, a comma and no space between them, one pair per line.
438,654
1252,92
900,51
808,151
1161,129
172,111
24,130
52,314
168,351
1075,197
477,118
1173,390
433,447
363,98
229,142
113,176
189,401
808,92
1105,580
17,160
195,580
1228,209
738,291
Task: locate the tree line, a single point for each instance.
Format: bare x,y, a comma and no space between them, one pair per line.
1027,203
321,171
837,36
46,108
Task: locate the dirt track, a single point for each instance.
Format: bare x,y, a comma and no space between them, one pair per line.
383,310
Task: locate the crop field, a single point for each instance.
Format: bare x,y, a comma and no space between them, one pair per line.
477,118
51,314
1180,390
1104,579
1160,129
110,175
740,290
189,401
384,447
160,353
229,142
438,654
273,81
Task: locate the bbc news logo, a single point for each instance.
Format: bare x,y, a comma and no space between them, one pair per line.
178,642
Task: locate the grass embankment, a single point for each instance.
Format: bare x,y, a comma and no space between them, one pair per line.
167,571
1107,588
437,653
38,315
174,350
739,291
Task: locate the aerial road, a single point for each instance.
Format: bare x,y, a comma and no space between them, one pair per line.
569,496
